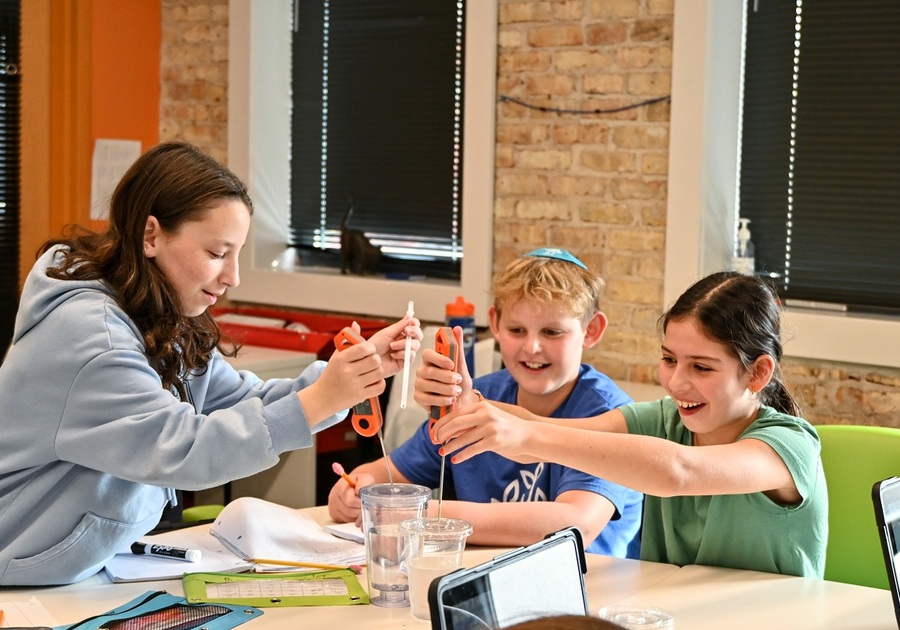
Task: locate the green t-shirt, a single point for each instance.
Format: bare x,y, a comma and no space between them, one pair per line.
742,531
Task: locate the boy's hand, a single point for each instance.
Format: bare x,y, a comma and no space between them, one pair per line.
344,505
390,343
438,385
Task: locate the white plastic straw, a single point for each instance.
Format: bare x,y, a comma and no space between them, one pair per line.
407,350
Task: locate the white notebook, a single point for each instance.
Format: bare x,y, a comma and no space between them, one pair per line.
247,528
254,528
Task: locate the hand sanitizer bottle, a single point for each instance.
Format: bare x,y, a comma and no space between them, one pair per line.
743,260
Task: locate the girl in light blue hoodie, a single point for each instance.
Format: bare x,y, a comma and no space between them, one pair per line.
115,390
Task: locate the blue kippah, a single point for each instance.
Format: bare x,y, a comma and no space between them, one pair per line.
558,254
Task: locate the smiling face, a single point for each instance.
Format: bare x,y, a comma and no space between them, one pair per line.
200,258
541,346
711,388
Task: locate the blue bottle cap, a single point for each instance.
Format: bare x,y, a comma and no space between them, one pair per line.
558,254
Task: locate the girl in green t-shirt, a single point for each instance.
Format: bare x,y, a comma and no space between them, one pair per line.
731,472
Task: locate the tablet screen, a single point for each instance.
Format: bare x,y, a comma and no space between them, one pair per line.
535,581
886,495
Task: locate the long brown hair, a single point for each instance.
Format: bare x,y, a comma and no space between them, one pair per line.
174,182
743,313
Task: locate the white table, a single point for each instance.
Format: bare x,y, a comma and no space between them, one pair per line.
701,598
711,597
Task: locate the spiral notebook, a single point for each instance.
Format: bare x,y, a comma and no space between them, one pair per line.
254,528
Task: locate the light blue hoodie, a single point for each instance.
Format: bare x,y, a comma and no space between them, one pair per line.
92,445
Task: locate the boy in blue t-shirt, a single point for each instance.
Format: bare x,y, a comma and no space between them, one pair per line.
546,311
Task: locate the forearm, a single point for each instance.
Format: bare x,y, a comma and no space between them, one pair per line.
519,523
662,468
649,465
610,421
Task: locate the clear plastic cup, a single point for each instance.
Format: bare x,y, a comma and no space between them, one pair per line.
638,617
434,547
384,507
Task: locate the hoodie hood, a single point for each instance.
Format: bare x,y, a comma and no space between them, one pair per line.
42,294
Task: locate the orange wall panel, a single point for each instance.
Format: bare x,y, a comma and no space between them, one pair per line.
125,53
125,41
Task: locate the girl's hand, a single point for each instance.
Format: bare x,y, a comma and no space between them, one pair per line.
438,385
350,377
483,427
390,343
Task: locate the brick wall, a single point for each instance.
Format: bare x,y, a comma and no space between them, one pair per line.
194,74
592,183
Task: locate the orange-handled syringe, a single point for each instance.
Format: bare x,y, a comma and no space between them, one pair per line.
444,344
367,418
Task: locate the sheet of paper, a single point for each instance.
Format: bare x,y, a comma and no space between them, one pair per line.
111,159
26,613
128,567
277,588
346,530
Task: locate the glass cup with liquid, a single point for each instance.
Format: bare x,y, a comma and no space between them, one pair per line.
434,547
638,617
384,507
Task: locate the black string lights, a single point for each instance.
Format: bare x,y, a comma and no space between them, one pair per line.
584,112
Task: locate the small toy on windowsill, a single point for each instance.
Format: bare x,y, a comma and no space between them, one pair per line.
358,255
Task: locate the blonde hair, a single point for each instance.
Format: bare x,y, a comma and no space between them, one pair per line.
549,281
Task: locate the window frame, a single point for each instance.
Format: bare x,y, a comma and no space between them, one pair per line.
258,151
700,224
11,169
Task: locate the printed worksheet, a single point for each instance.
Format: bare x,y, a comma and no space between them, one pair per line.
277,588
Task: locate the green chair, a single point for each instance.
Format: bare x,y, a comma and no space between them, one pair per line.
201,513
854,458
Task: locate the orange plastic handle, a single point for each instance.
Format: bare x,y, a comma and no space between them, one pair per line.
367,418
445,344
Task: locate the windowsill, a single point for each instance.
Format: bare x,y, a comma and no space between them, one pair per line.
360,295
843,337
335,272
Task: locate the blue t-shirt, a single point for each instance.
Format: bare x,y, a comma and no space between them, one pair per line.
489,478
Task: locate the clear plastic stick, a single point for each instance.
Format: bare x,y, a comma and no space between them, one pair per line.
387,461
441,487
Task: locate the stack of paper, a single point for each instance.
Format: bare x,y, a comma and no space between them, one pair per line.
247,528
346,530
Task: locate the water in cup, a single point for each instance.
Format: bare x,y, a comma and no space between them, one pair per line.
384,567
434,548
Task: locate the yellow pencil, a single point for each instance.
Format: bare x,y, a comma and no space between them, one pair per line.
307,565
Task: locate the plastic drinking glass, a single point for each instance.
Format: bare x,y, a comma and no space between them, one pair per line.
638,617
384,507
434,547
